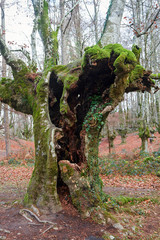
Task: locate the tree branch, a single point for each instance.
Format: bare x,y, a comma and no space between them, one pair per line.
61,23
25,53
48,36
147,27
33,40
88,11
155,76
10,59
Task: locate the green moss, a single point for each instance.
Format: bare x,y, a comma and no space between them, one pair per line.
136,73
95,53
5,81
117,89
43,22
64,75
54,46
67,78
49,36
43,186
6,89
60,68
26,199
122,200
137,51
125,60
40,90
76,199
144,132
155,76
66,171
158,174
117,50
18,93
153,80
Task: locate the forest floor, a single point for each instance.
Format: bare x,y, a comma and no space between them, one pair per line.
133,195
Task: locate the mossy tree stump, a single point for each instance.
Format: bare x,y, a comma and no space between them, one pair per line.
69,105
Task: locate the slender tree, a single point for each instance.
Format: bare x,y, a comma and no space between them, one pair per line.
111,29
6,121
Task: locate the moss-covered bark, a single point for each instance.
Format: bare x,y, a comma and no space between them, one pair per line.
42,190
155,75
144,134
18,93
69,107
122,132
48,36
81,97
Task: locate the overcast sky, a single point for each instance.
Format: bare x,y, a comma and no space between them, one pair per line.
19,19
19,22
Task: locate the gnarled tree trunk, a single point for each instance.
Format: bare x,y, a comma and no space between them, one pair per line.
69,105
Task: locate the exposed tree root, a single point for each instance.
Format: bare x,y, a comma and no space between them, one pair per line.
25,213
28,212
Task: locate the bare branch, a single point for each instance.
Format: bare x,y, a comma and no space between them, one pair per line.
11,60
88,11
67,24
70,11
25,53
147,27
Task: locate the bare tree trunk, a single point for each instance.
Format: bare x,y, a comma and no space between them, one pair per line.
111,31
33,41
64,33
6,122
95,22
6,127
78,37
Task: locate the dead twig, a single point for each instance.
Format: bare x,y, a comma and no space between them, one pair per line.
47,229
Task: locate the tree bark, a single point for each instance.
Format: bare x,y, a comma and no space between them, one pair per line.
67,133
48,36
6,121
64,35
111,30
69,105
42,190
144,134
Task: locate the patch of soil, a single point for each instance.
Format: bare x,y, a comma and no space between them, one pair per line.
66,225
140,221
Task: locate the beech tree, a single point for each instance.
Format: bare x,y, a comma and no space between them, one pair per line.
111,29
69,105
6,121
